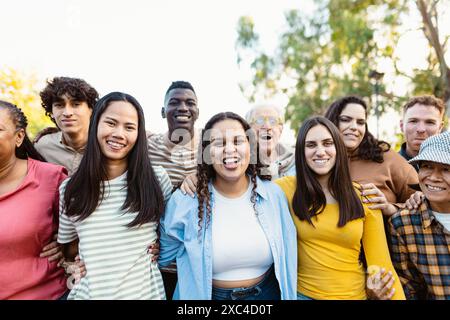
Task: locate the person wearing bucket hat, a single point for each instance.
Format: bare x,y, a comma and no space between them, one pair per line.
421,237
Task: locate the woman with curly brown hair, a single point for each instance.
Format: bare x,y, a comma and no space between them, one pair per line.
383,173
236,239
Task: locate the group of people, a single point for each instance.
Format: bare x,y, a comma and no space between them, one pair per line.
100,208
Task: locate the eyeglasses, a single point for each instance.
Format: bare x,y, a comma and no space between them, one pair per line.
261,120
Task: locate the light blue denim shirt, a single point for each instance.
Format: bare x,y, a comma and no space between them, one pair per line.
181,241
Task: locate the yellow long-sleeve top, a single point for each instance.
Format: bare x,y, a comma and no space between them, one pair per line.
328,255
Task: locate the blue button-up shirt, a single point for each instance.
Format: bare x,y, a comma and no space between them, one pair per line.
181,241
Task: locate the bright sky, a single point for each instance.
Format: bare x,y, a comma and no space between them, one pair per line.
140,47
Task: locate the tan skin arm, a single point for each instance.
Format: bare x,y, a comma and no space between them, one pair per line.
70,250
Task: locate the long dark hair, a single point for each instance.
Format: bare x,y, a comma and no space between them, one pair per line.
206,172
370,148
86,187
26,149
309,199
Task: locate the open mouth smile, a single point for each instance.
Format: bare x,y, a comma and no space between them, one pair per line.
434,188
115,145
231,162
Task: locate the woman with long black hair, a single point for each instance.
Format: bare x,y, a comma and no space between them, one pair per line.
331,221
236,239
111,206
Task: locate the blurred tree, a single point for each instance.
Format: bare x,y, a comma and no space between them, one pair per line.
21,89
330,53
437,76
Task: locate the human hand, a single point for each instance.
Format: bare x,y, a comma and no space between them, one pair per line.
377,199
189,185
153,249
53,251
415,200
379,285
75,269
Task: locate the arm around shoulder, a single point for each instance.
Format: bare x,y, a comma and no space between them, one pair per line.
177,214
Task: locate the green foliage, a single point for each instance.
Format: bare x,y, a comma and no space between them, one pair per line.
330,53
20,89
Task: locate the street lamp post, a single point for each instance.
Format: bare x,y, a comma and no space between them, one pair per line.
377,76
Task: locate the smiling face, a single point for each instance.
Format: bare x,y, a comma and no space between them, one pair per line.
434,180
418,123
181,109
10,138
268,127
229,150
320,150
70,115
352,125
117,131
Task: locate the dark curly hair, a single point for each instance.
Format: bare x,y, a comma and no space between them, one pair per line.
206,172
78,89
370,148
26,149
180,85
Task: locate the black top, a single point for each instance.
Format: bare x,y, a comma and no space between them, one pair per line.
403,153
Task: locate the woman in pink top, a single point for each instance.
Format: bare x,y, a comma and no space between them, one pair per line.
28,213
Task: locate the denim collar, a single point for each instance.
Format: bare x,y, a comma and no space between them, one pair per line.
261,188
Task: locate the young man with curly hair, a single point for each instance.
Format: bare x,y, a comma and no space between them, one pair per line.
69,102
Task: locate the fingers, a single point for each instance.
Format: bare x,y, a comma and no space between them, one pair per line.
367,186
61,262
49,251
183,187
387,278
414,201
189,185
50,246
386,291
390,294
57,256
375,200
191,188
370,192
153,249
154,245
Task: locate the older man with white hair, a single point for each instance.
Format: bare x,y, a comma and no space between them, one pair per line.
267,120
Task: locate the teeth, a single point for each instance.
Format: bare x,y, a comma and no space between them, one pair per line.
432,188
115,144
230,160
182,117
320,161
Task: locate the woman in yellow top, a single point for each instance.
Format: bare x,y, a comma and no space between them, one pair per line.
331,221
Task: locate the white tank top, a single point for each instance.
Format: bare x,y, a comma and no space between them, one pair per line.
240,249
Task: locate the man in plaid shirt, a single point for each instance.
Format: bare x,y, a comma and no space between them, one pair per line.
421,237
